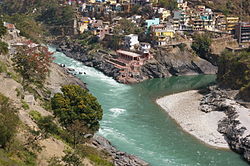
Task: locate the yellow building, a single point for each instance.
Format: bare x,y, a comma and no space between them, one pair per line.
83,27
165,14
111,1
164,33
231,23
83,24
91,1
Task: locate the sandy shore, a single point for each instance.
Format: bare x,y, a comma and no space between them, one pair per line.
183,107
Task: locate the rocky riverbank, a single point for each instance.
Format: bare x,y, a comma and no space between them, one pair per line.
119,158
167,62
236,125
201,125
213,116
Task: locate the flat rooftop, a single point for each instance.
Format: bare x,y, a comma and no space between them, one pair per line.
132,54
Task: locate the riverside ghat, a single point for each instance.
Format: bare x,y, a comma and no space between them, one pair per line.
134,123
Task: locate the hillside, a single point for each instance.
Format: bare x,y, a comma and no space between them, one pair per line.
228,7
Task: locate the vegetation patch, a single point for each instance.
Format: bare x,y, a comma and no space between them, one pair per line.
234,72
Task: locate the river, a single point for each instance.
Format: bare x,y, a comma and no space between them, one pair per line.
135,124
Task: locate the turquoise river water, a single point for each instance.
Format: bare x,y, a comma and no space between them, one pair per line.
135,124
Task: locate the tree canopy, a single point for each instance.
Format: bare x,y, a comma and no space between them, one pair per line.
234,71
127,27
33,66
201,45
76,103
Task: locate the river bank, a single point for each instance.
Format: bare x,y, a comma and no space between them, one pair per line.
216,118
184,109
166,62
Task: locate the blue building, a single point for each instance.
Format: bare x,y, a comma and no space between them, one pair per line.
155,21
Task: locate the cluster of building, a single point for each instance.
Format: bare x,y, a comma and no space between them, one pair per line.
162,27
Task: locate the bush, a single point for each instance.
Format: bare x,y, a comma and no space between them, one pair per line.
25,105
3,48
8,121
182,46
46,124
35,115
3,29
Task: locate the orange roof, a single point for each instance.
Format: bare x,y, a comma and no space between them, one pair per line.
132,54
10,26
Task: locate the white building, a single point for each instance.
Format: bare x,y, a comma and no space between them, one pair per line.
144,48
131,41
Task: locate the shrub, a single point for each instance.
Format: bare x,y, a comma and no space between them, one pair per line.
35,115
3,29
8,121
25,105
182,46
46,124
3,48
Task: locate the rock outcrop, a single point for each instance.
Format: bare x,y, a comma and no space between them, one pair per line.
174,62
236,126
119,158
166,62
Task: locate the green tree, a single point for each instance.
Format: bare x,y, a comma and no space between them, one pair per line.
3,48
201,45
8,121
76,103
114,42
168,4
3,29
127,27
234,69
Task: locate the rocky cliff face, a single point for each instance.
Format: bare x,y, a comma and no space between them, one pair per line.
236,126
174,62
166,62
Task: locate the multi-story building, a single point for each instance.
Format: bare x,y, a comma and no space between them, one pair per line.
131,41
220,22
242,32
155,21
161,34
231,23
